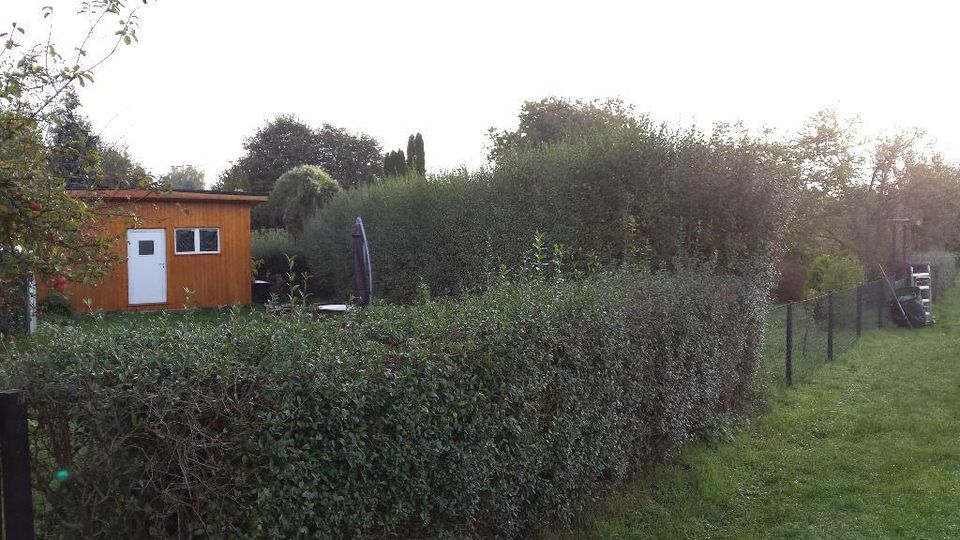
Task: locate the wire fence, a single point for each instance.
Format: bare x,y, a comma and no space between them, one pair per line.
801,336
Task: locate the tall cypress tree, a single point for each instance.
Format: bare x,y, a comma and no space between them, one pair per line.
421,164
394,163
75,154
411,153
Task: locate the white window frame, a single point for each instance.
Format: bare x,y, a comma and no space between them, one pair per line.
196,241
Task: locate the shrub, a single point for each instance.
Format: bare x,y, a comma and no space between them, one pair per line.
273,246
943,265
791,281
297,195
636,194
57,304
834,272
483,417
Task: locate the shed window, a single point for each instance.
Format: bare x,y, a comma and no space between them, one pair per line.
197,241
145,247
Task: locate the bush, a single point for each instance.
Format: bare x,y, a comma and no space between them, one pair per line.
834,272
943,265
791,281
57,304
297,195
272,247
635,194
484,417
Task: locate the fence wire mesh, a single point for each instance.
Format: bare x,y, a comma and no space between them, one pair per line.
803,335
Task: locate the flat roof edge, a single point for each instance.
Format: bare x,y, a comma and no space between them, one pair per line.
145,195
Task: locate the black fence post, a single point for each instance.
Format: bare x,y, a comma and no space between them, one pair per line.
15,461
859,309
830,327
878,295
790,344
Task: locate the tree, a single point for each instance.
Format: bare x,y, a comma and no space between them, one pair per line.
414,158
829,160
352,159
833,272
411,153
285,142
120,169
185,177
297,196
554,119
419,160
74,150
42,229
282,144
394,164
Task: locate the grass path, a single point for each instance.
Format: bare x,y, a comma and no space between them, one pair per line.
867,447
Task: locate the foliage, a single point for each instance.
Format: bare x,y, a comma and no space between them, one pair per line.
394,164
272,246
943,266
850,186
484,417
554,119
416,160
57,304
42,229
643,195
298,194
120,169
183,177
74,150
280,145
352,159
285,142
791,281
14,308
833,272
858,432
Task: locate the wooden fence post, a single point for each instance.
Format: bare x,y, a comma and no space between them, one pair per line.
15,461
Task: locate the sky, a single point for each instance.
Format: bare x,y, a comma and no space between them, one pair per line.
206,74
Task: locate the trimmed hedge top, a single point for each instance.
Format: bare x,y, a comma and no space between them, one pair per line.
641,193
483,417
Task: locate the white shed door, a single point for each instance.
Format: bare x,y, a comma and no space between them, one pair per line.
146,266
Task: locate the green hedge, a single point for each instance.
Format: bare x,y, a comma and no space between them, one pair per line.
484,417
271,247
639,193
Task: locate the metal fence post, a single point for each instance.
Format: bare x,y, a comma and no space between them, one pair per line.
830,327
859,309
790,344
15,461
878,295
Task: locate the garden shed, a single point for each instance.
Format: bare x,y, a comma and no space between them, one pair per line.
177,248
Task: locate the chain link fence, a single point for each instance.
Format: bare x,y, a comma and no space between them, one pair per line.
800,336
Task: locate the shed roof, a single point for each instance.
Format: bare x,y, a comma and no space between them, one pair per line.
145,195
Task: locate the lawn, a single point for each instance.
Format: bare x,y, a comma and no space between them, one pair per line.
866,447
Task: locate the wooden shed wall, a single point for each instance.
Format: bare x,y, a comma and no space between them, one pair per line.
217,279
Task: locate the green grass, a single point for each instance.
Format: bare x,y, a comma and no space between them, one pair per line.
866,447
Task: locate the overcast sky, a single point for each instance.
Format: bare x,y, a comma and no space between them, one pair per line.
207,73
